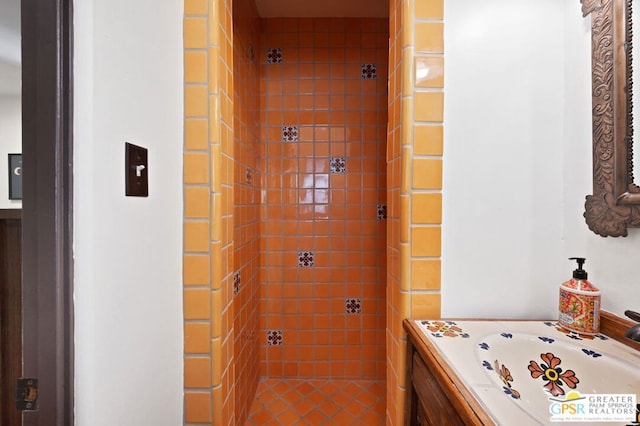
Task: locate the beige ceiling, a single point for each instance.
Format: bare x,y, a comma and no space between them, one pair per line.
323,8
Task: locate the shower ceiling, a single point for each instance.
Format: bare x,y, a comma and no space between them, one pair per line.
323,8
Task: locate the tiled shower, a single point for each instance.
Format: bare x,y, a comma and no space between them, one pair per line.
309,214
290,198
323,106
284,241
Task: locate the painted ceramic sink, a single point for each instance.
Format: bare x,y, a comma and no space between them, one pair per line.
522,370
536,370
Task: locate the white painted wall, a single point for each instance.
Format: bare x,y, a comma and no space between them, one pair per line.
517,163
128,294
613,262
10,143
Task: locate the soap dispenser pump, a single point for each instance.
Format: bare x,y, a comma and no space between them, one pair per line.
579,304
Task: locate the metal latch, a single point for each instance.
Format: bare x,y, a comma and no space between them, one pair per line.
27,394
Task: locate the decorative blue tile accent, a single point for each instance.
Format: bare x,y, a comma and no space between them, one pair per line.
274,338
290,133
338,165
236,283
353,306
382,212
305,259
369,71
274,55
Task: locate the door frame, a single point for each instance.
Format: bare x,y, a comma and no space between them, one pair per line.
47,208
10,313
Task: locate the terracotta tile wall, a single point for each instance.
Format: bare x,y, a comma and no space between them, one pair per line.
415,150
208,220
246,210
221,134
323,113
394,175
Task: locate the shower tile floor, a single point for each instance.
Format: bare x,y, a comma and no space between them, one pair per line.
288,402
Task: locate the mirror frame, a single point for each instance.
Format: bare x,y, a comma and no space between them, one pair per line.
615,203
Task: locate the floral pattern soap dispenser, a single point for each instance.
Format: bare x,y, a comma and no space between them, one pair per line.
579,303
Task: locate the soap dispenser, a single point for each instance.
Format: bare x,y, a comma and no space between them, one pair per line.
579,305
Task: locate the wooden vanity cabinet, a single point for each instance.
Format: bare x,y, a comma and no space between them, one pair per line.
435,395
429,401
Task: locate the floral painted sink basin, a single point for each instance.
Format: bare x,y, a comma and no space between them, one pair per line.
523,371
537,369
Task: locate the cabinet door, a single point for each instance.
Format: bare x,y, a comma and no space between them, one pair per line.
422,416
438,410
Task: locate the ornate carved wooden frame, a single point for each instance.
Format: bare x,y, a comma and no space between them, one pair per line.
615,203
